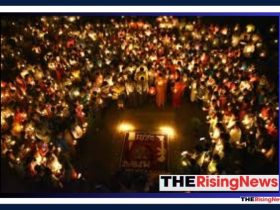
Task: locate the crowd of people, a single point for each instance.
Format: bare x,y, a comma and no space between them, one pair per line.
57,70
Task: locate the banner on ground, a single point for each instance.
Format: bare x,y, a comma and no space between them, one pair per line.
145,151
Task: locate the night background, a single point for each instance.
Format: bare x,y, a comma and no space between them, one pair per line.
74,89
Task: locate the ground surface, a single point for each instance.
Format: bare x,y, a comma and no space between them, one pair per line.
100,152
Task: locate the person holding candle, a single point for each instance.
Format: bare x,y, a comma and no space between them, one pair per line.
161,87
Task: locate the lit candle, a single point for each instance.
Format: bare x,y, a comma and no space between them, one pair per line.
250,28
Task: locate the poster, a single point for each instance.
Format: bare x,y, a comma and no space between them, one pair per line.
145,151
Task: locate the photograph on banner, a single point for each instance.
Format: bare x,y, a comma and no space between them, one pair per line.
129,104
145,151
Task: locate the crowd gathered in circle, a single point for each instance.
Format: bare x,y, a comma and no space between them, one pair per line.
55,70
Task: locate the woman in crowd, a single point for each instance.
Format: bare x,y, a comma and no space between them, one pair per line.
161,88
